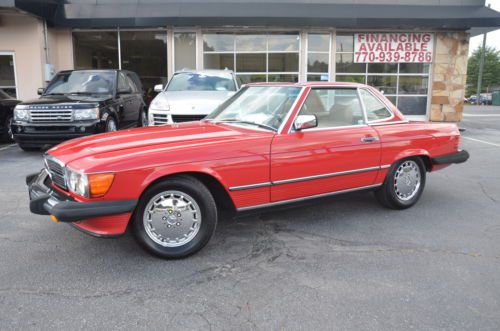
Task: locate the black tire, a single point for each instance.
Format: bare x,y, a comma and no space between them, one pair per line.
7,135
143,119
111,125
29,149
387,194
208,211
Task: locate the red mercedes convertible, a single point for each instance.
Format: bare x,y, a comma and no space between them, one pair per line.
268,145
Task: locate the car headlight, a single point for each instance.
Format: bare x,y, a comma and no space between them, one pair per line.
21,113
89,186
77,183
160,104
86,114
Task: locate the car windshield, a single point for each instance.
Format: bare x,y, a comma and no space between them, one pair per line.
189,81
82,82
262,106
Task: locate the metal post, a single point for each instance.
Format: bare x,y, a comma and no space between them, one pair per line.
480,74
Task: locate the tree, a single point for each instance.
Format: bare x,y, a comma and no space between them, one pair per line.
491,71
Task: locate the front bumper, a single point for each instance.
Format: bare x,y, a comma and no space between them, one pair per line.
37,135
458,157
46,201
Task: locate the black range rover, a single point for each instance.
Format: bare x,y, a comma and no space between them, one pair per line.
77,103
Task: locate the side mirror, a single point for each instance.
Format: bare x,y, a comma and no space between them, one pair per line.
40,91
158,88
305,122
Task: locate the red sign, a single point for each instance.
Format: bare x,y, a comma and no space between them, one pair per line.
393,47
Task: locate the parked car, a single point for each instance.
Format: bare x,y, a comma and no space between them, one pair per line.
79,103
268,145
191,95
7,104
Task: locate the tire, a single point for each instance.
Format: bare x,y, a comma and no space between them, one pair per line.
29,149
110,124
143,119
194,225
405,192
8,136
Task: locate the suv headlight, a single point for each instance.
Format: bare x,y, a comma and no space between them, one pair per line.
86,114
159,104
21,113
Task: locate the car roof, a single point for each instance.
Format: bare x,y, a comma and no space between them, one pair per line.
309,84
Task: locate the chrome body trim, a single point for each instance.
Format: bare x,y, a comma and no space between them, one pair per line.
284,202
385,166
332,174
248,187
301,179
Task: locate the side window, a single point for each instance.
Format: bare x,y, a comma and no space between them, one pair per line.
333,107
375,109
135,83
123,84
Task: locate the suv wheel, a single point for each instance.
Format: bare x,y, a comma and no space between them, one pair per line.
143,119
175,218
8,135
111,124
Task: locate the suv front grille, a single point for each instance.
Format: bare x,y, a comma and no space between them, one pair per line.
51,115
160,119
56,171
187,118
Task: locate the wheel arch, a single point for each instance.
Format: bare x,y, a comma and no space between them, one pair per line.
420,153
214,184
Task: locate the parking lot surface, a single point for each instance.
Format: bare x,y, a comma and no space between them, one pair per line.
342,263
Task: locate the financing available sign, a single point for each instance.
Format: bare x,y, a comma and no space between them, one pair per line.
393,47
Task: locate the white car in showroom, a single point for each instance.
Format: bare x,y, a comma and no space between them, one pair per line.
191,95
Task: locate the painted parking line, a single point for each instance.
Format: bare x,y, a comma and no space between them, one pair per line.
481,115
481,141
5,147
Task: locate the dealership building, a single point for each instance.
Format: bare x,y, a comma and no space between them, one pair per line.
415,51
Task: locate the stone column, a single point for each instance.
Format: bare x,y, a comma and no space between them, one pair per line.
449,76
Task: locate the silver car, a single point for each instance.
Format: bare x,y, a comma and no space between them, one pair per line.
191,95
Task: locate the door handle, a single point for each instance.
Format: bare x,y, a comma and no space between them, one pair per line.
369,139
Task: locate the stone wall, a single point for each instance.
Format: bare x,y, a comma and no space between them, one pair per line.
449,76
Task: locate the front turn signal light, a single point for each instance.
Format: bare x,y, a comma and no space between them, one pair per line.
99,184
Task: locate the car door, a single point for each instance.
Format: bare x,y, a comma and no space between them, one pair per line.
341,153
125,100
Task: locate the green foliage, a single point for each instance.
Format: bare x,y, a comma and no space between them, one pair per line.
491,71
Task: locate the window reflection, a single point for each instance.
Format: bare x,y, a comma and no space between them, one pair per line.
185,50
96,50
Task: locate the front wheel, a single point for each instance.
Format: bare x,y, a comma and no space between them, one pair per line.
143,119
175,217
110,124
403,185
8,135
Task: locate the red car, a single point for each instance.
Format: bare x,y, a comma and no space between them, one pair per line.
268,145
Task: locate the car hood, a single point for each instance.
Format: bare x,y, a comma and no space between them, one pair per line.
116,149
194,102
65,99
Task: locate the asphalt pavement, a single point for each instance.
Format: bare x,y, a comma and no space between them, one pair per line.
342,264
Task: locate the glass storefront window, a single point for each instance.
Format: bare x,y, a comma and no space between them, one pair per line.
404,84
96,50
185,50
7,75
145,53
318,56
253,56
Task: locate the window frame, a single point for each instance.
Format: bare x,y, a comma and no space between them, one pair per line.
13,55
384,103
340,87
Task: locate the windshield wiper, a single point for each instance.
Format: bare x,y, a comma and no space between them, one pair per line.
234,120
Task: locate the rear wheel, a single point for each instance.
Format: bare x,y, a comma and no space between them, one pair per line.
403,184
175,218
143,119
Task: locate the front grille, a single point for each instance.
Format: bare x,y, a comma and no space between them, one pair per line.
187,118
56,171
160,119
51,115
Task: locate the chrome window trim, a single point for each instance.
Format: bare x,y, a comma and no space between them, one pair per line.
283,202
290,111
306,178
